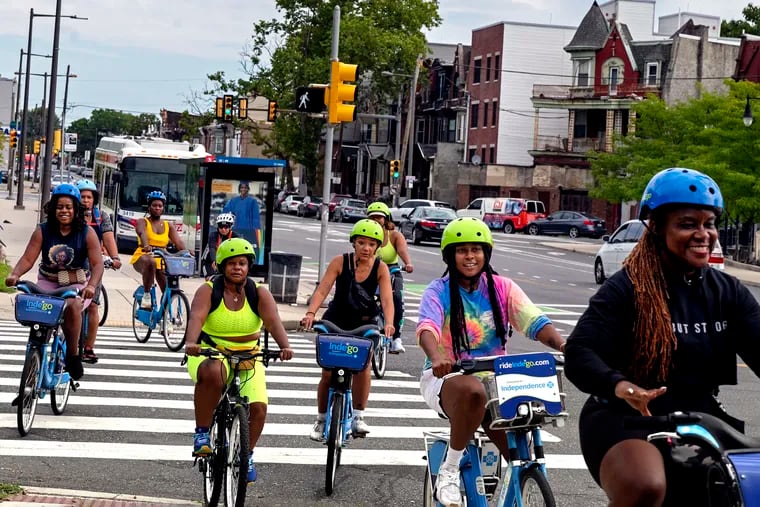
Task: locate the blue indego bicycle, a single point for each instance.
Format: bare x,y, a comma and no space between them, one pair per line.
173,311
707,462
524,393
343,353
43,371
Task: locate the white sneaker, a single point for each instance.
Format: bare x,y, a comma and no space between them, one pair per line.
397,346
447,487
360,428
146,303
318,432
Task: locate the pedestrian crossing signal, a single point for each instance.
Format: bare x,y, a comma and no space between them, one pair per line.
272,111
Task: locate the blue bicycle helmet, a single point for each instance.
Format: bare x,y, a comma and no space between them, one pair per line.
156,194
68,190
679,185
87,185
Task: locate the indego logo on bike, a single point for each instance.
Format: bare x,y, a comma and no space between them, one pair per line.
344,349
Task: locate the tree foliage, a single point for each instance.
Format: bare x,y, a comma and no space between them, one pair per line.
294,51
737,27
706,134
36,124
103,122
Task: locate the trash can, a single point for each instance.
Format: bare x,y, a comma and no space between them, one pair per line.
284,276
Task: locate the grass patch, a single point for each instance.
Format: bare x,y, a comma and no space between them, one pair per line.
5,270
7,490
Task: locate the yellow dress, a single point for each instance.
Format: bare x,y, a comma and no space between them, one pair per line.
154,240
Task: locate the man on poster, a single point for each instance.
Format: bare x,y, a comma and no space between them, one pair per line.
245,207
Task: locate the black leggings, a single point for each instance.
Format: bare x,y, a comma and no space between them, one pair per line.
397,282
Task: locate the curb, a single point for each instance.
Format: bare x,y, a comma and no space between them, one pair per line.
116,497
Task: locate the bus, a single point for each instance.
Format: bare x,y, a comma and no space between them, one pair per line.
127,168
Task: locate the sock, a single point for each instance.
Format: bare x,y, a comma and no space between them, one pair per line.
322,416
358,414
453,457
201,429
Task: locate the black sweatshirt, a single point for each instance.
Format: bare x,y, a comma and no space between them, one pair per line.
714,319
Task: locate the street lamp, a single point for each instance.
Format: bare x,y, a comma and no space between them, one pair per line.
747,118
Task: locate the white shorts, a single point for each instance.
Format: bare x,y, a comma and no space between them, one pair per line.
430,387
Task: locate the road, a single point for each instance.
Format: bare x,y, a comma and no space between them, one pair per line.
129,428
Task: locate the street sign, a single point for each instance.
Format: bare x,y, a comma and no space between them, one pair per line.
310,100
70,142
13,124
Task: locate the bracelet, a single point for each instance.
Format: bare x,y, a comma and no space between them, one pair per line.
115,258
307,313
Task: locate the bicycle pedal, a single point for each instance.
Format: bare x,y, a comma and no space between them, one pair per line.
74,385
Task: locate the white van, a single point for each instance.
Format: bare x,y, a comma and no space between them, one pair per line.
479,207
509,214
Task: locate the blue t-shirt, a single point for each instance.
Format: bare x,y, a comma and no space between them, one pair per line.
246,211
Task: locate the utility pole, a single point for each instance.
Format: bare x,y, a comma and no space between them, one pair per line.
407,149
62,153
14,118
23,139
50,131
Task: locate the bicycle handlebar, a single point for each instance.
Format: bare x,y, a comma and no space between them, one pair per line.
483,364
359,331
243,355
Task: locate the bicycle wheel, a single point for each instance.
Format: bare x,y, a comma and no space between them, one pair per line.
237,459
334,441
380,358
59,395
140,330
213,466
535,489
428,500
27,391
175,318
103,306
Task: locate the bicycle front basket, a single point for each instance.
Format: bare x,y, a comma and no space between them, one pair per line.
39,309
180,266
343,351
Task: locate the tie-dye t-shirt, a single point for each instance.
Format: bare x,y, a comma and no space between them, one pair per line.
517,309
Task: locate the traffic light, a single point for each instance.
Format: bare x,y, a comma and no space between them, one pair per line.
228,107
14,139
36,146
57,140
395,166
339,92
243,109
219,110
272,111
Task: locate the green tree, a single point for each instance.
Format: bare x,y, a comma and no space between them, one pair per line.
294,51
705,134
737,27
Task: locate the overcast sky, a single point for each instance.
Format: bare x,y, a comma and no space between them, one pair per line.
142,55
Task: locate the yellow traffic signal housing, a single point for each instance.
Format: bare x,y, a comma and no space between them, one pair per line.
242,109
272,111
13,139
37,146
57,140
219,109
228,99
340,92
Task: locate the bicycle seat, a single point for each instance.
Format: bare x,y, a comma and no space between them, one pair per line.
33,288
359,331
729,437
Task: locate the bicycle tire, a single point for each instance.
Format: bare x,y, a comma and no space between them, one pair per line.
428,498
236,482
174,323
59,395
535,489
380,358
27,391
140,330
213,466
103,306
334,441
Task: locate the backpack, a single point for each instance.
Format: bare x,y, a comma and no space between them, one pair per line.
217,293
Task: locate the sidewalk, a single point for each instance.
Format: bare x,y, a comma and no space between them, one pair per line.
52,497
121,284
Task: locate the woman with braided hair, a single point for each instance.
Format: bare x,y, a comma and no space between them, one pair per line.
465,314
660,335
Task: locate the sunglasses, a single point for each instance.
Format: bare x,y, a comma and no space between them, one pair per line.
223,226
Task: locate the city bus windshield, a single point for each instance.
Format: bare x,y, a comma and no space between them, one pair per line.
143,175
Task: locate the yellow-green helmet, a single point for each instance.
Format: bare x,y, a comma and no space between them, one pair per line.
379,207
466,230
367,228
234,247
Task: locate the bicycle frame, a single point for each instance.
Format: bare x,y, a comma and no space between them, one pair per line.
48,379
341,384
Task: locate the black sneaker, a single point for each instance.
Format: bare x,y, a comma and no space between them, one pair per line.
74,367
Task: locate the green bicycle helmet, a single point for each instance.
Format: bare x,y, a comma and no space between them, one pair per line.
367,228
466,230
379,208
233,247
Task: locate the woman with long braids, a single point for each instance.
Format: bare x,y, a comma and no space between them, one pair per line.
465,314
660,335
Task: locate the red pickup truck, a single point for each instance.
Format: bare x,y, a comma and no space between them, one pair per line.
518,214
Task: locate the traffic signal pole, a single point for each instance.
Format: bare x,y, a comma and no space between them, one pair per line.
24,129
327,175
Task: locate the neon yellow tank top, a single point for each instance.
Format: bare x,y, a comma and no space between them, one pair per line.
387,253
224,322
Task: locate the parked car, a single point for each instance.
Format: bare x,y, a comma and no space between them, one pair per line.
426,223
609,259
350,210
334,200
3,177
407,206
290,204
281,196
309,207
572,223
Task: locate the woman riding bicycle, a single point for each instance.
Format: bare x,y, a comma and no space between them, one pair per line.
224,224
465,314
356,277
101,224
66,244
660,335
232,325
152,232
393,247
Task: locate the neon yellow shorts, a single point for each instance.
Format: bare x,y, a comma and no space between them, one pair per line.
253,383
